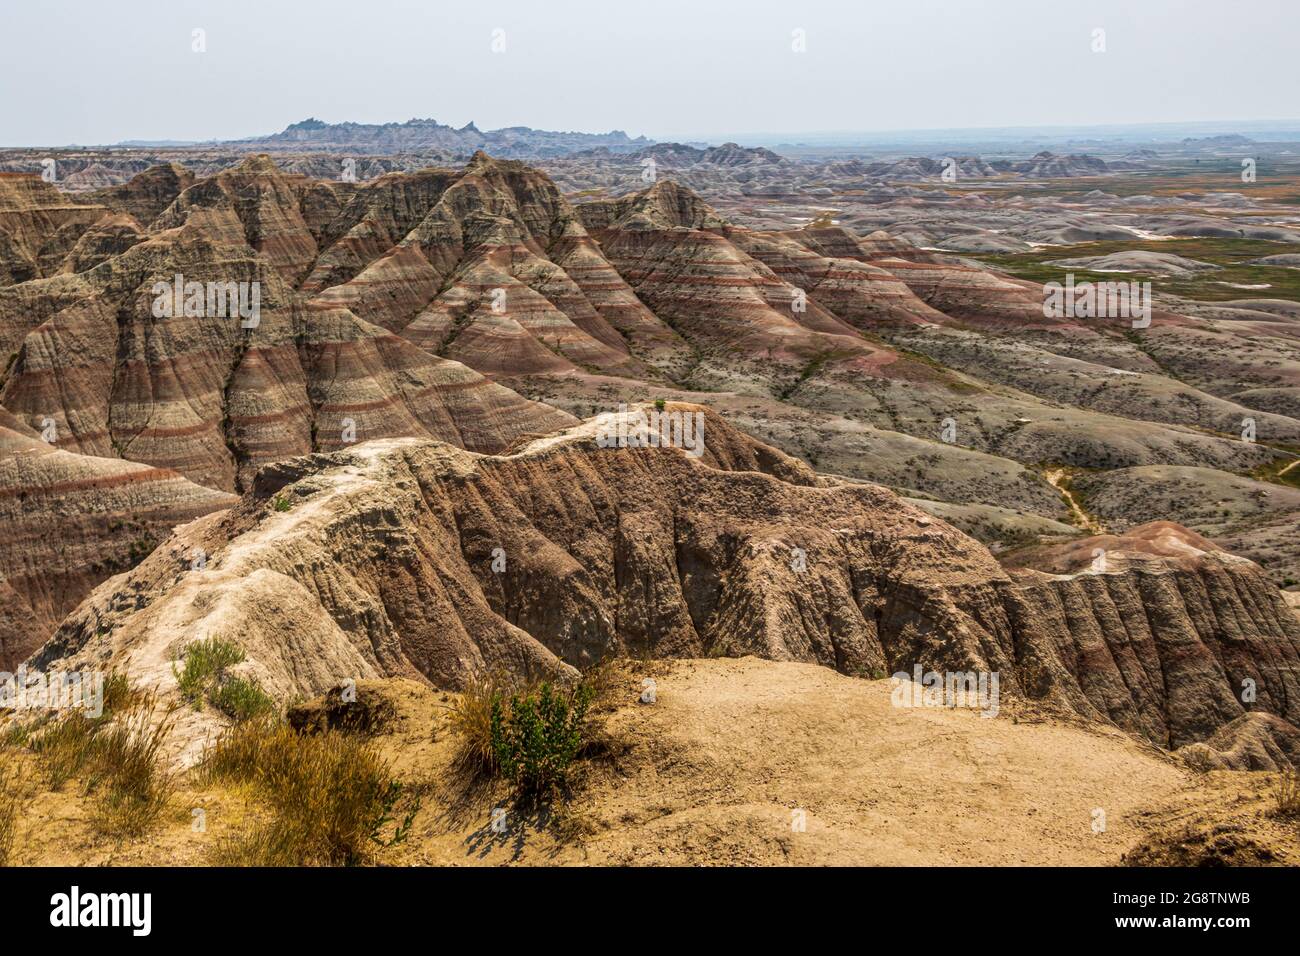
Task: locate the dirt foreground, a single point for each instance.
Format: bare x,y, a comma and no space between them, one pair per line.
753,762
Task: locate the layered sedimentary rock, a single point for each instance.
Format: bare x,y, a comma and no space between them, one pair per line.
415,558
70,521
490,266
1170,635
401,307
741,297
473,279
144,197
215,395
38,226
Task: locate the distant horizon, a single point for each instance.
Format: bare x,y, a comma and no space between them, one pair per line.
827,137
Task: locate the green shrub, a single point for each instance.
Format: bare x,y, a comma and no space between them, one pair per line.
241,698
536,736
281,503
205,664
204,676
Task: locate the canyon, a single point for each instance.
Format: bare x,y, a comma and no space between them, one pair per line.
399,474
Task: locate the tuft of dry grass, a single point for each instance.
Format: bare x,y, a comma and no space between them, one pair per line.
119,756
471,722
331,793
130,780
66,746
118,693
608,681
11,800
1287,794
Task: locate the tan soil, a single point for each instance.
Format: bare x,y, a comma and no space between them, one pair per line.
711,772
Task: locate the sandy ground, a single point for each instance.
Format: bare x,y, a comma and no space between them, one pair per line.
717,770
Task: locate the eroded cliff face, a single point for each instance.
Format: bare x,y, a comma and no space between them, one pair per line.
214,396
69,521
416,558
396,309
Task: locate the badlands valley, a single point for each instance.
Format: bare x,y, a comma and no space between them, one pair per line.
394,526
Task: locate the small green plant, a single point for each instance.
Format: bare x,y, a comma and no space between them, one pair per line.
139,549
241,698
660,404
403,829
281,503
536,736
205,664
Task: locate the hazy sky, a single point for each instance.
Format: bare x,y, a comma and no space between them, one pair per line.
101,71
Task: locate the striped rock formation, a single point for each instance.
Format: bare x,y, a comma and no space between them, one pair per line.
70,521
418,559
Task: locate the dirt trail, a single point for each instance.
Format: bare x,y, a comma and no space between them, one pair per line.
1056,477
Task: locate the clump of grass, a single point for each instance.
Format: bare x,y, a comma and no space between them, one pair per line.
129,779
241,698
536,736
604,679
18,733
120,760
11,790
118,694
203,676
205,663
1287,794
281,503
331,793
471,722
65,739
66,747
